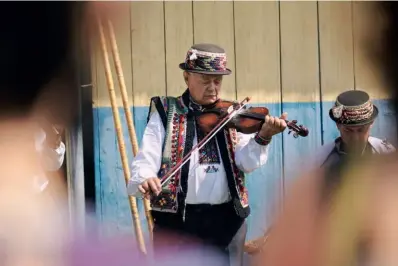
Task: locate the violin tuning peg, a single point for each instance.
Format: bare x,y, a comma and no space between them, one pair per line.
295,135
289,132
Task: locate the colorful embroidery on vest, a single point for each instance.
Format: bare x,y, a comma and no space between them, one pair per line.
175,136
232,140
209,153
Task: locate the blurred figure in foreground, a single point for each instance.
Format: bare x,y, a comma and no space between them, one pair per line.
36,84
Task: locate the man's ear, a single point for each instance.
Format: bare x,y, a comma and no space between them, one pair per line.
186,74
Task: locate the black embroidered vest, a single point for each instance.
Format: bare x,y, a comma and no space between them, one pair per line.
179,123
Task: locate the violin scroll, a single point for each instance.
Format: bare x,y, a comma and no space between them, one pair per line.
298,130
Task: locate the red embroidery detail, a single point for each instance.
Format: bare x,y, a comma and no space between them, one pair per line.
238,175
167,198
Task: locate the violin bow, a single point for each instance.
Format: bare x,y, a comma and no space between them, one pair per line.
231,112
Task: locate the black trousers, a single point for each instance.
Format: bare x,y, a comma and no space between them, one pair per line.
210,227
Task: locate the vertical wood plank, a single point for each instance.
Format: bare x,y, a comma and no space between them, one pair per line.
213,23
179,38
336,58
258,76
110,178
367,25
300,80
94,64
148,55
257,51
100,90
102,94
121,26
96,126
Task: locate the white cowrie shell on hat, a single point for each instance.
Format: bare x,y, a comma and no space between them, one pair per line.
337,111
193,56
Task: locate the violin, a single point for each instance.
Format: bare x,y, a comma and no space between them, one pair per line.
247,121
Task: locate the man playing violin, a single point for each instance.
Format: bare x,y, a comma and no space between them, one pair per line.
207,198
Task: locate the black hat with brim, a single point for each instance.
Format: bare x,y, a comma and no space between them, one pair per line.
353,108
207,59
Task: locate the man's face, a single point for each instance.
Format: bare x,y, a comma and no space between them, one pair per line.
204,89
355,137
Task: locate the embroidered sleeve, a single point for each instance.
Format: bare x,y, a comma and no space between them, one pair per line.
148,160
249,155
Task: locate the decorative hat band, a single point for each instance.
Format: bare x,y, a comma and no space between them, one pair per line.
205,61
352,114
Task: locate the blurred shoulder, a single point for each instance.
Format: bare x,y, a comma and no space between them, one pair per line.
381,145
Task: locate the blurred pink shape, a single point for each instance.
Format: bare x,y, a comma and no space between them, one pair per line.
123,251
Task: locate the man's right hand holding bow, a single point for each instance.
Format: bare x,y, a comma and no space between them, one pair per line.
150,186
